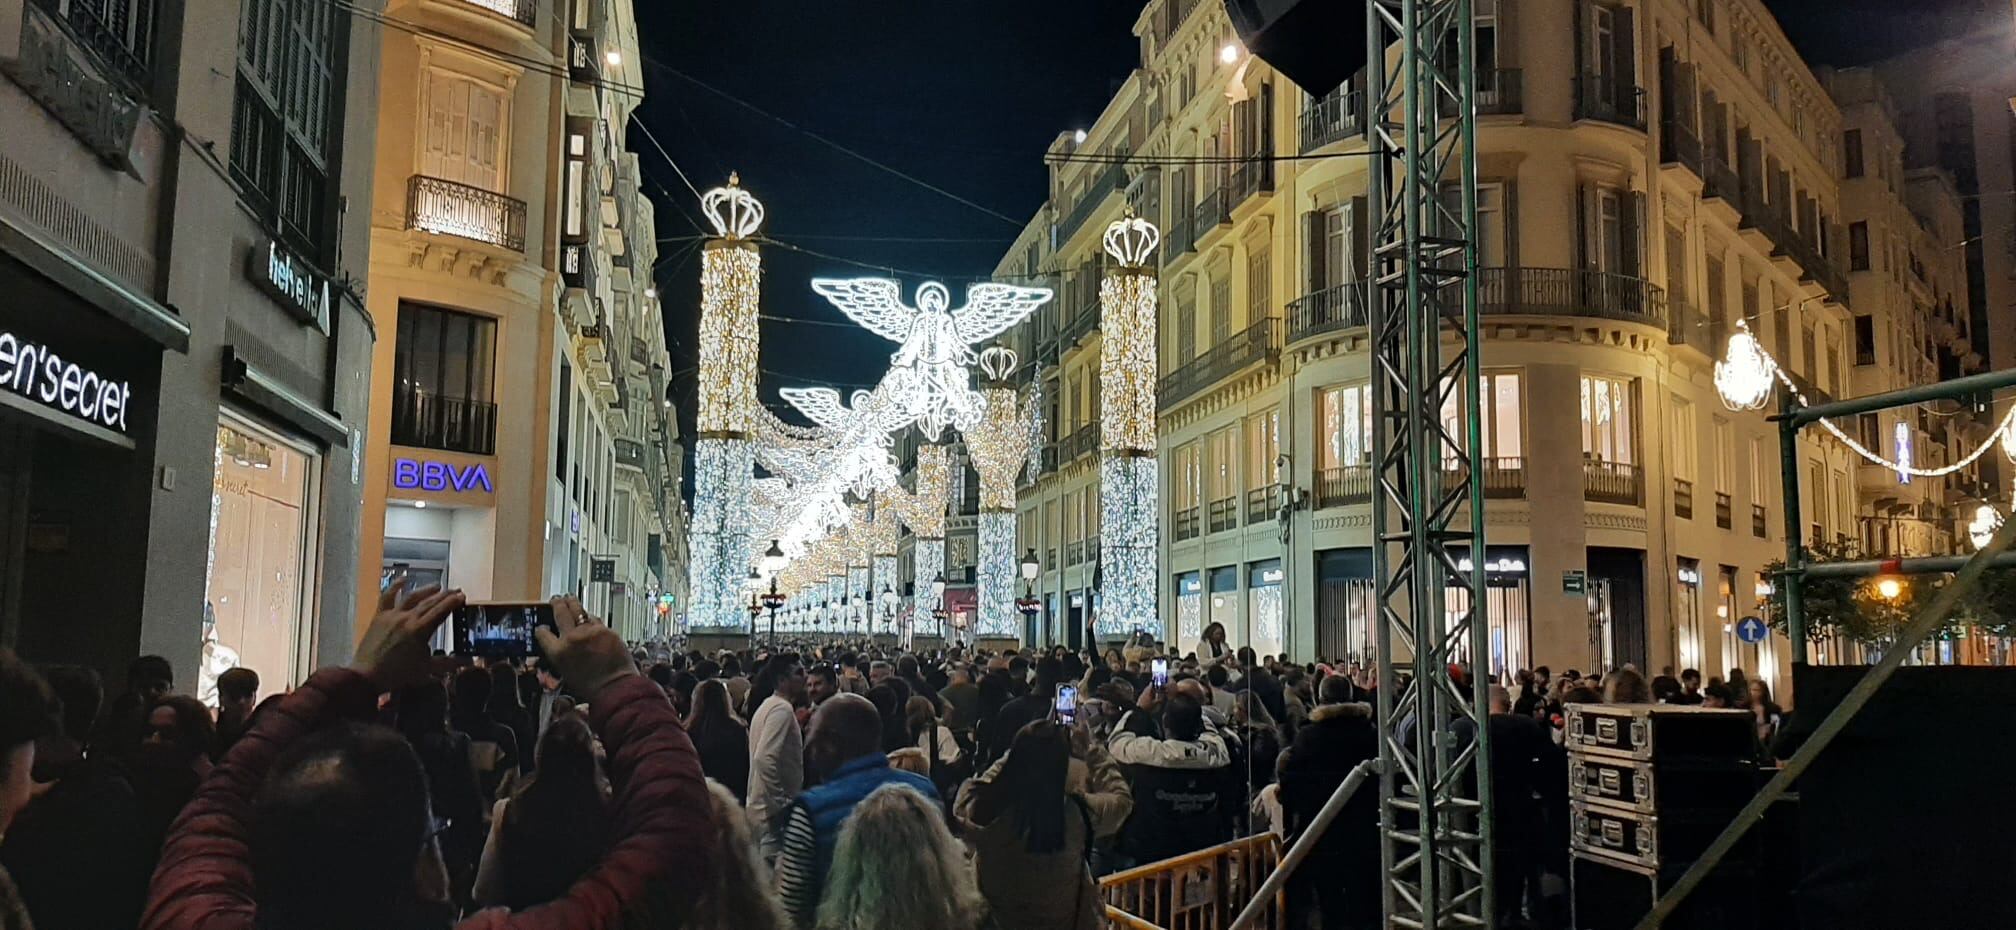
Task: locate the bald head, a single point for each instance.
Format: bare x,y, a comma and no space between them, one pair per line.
1193,688
845,728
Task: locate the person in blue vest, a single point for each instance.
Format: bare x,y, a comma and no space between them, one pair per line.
845,749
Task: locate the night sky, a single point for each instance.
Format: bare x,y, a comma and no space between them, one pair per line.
963,95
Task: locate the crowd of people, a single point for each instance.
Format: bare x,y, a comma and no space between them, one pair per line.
837,785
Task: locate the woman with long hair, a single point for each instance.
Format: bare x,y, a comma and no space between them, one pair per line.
991,742
896,865
1212,649
1032,822
506,707
1625,686
721,739
740,897
1767,715
554,829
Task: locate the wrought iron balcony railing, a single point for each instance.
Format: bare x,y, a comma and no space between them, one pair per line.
450,209
425,420
1254,344
523,12
1111,178
1328,310
1339,114
1570,292
1500,91
1610,100
630,453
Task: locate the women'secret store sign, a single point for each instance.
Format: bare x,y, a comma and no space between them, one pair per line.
39,374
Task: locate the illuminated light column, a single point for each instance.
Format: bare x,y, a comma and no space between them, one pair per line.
1127,481
923,511
884,529
998,444
731,273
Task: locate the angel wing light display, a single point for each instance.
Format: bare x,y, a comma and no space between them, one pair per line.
930,369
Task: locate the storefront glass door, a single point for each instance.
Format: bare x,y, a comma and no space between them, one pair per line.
262,515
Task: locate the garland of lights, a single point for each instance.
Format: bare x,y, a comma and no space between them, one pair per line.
1128,555
1737,377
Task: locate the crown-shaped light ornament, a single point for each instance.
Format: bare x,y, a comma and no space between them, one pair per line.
999,362
1131,240
1745,374
735,213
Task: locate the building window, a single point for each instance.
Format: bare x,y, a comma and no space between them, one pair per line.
1865,340
1499,393
1345,427
281,127
562,433
1221,308
465,132
1263,447
1259,284
1725,457
1608,431
442,379
1704,10
1490,225
258,589
1851,153
1858,246
1685,447
1186,327
1687,604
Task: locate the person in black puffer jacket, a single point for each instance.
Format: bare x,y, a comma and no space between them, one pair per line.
1339,736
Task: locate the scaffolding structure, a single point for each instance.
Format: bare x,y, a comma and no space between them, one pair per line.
1427,513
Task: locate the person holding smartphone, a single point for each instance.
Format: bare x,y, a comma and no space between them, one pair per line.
333,812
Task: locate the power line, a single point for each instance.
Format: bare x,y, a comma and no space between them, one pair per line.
527,62
681,172
829,143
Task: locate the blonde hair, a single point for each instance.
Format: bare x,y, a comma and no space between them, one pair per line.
896,865
911,759
740,897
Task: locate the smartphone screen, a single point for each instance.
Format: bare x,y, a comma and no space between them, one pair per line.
1066,705
500,631
1159,673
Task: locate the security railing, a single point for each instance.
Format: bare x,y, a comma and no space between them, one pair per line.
438,206
1339,114
1204,890
1500,91
1612,482
1344,306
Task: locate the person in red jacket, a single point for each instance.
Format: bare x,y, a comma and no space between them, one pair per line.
317,821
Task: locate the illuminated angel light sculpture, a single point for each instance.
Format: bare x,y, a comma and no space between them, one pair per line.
931,369
731,273
998,444
858,456
1127,471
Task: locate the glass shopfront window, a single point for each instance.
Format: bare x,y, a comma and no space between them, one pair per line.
256,594
1264,606
1189,607
1507,609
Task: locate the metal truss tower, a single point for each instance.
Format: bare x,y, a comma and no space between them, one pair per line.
1428,514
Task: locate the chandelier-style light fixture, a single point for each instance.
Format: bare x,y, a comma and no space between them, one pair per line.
1745,374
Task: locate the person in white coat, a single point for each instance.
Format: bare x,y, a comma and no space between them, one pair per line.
776,750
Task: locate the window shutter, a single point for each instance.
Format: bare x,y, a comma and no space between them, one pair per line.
1511,220
486,124
1624,51
1630,230
1581,42
1313,248
1508,35
434,148
1361,222
1585,252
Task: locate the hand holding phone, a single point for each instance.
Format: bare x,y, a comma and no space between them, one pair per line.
1158,673
500,630
1066,705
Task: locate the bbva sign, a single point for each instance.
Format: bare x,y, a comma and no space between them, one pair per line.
418,474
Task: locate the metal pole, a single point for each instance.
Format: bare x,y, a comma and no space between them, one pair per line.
1832,726
1903,397
1304,844
1922,565
1795,545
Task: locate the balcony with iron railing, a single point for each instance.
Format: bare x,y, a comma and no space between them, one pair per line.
447,208
1718,178
630,454
1612,482
1344,306
1578,292
1224,514
1179,237
1211,212
1504,477
1802,247
1608,99
1049,458
1250,178
1254,344
1678,145
1082,442
1340,487
1337,115
522,12
1723,517
1686,326
120,33
1186,524
1500,92
1260,505
424,420
1109,179
1683,498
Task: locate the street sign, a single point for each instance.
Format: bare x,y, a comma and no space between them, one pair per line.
601,569
1752,630
1575,582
